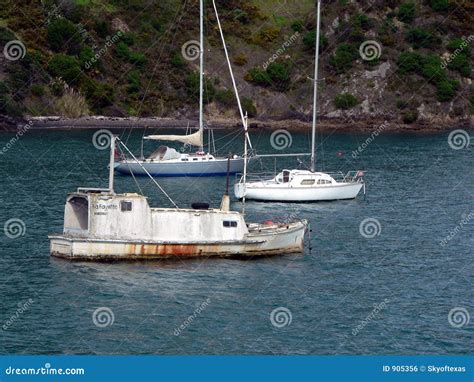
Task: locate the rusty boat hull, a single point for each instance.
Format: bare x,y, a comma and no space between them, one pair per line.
262,240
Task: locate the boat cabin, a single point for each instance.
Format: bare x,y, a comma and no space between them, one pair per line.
92,213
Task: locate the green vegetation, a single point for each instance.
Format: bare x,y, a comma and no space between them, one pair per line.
460,58
249,107
63,36
410,116
225,97
345,101
421,38
192,86
431,68
240,59
297,26
344,57
66,67
439,5
309,40
407,12
277,75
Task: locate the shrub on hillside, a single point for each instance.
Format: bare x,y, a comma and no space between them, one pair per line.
421,38
249,107
343,58
66,67
64,36
407,12
345,101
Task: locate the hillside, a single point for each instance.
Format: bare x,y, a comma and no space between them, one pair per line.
409,62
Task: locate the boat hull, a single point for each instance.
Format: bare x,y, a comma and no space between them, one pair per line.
284,239
297,194
215,167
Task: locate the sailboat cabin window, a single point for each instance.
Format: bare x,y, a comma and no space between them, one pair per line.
324,181
229,223
307,182
125,206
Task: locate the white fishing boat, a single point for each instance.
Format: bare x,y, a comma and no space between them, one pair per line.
166,161
100,224
298,185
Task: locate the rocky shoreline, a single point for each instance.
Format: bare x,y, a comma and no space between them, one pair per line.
324,124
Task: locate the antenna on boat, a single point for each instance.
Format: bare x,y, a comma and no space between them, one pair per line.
225,203
315,94
112,164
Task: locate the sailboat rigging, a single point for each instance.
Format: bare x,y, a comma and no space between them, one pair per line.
166,161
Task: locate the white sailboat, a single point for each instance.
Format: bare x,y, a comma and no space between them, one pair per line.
166,161
302,185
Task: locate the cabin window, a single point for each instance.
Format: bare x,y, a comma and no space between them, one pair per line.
184,159
229,223
195,158
286,176
307,182
125,206
324,181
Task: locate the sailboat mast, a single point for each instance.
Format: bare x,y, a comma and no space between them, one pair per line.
315,90
201,69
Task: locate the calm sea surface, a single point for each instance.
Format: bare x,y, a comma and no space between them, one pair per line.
403,291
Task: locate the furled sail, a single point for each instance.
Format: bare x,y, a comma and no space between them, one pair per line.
194,139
